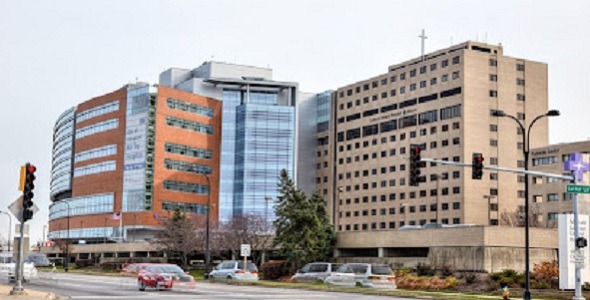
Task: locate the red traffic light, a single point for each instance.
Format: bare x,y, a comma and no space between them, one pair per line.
31,169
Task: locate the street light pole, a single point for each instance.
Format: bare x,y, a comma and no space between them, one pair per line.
525,150
207,253
9,227
68,240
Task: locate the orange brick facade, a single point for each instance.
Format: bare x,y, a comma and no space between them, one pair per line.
112,181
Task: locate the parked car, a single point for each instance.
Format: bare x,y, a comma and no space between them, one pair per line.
161,276
38,259
234,270
317,271
364,275
8,268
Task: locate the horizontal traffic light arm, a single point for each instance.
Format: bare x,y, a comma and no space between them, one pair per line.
518,171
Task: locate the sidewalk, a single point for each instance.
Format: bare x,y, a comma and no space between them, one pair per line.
30,294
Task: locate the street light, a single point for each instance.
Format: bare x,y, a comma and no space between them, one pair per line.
525,151
68,239
9,227
207,253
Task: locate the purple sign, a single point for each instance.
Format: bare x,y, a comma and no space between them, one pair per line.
576,165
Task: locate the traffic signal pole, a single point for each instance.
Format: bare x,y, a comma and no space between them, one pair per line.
579,251
18,285
502,169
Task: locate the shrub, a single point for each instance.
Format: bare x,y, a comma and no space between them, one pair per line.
495,276
470,277
273,270
540,285
546,273
83,263
509,273
586,286
423,269
506,281
446,270
425,283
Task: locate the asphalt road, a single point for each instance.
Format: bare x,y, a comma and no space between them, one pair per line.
79,286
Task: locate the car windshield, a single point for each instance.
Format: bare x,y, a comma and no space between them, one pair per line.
165,269
380,270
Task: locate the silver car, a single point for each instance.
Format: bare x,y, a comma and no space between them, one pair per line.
313,272
234,270
363,275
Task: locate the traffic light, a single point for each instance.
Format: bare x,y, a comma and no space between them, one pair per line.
581,242
477,166
28,192
415,165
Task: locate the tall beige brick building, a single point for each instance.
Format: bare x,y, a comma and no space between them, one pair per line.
443,103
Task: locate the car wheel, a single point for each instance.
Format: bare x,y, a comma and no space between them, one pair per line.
229,278
358,284
141,285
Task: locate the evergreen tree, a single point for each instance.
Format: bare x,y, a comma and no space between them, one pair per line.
303,230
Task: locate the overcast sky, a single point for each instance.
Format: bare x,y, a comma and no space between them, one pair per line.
55,54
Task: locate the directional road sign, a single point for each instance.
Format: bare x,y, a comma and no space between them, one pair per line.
579,189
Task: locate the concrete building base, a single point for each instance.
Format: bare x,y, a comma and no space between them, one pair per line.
477,248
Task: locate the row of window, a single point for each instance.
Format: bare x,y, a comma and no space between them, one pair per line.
189,208
552,197
401,123
186,166
186,187
393,152
187,151
402,76
189,107
391,211
97,128
403,104
97,111
85,233
95,153
392,225
86,205
190,125
101,167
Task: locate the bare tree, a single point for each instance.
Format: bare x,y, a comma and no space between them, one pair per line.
246,229
516,218
179,237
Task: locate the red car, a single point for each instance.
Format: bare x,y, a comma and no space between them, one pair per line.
161,276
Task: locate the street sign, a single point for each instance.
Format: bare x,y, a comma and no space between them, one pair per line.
579,189
245,250
16,208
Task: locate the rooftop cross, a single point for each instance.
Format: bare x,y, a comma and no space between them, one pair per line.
577,165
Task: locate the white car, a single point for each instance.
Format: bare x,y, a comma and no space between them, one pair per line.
234,270
8,268
363,275
313,272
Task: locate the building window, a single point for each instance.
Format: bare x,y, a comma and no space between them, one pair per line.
187,167
493,77
188,151
519,81
444,63
456,60
413,73
433,81
444,78
412,87
189,125
552,197
493,93
493,128
519,67
97,128
456,75
422,69
95,153
433,67
189,208
97,111
95,168
189,107
422,84
494,143
493,63
186,187
520,97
